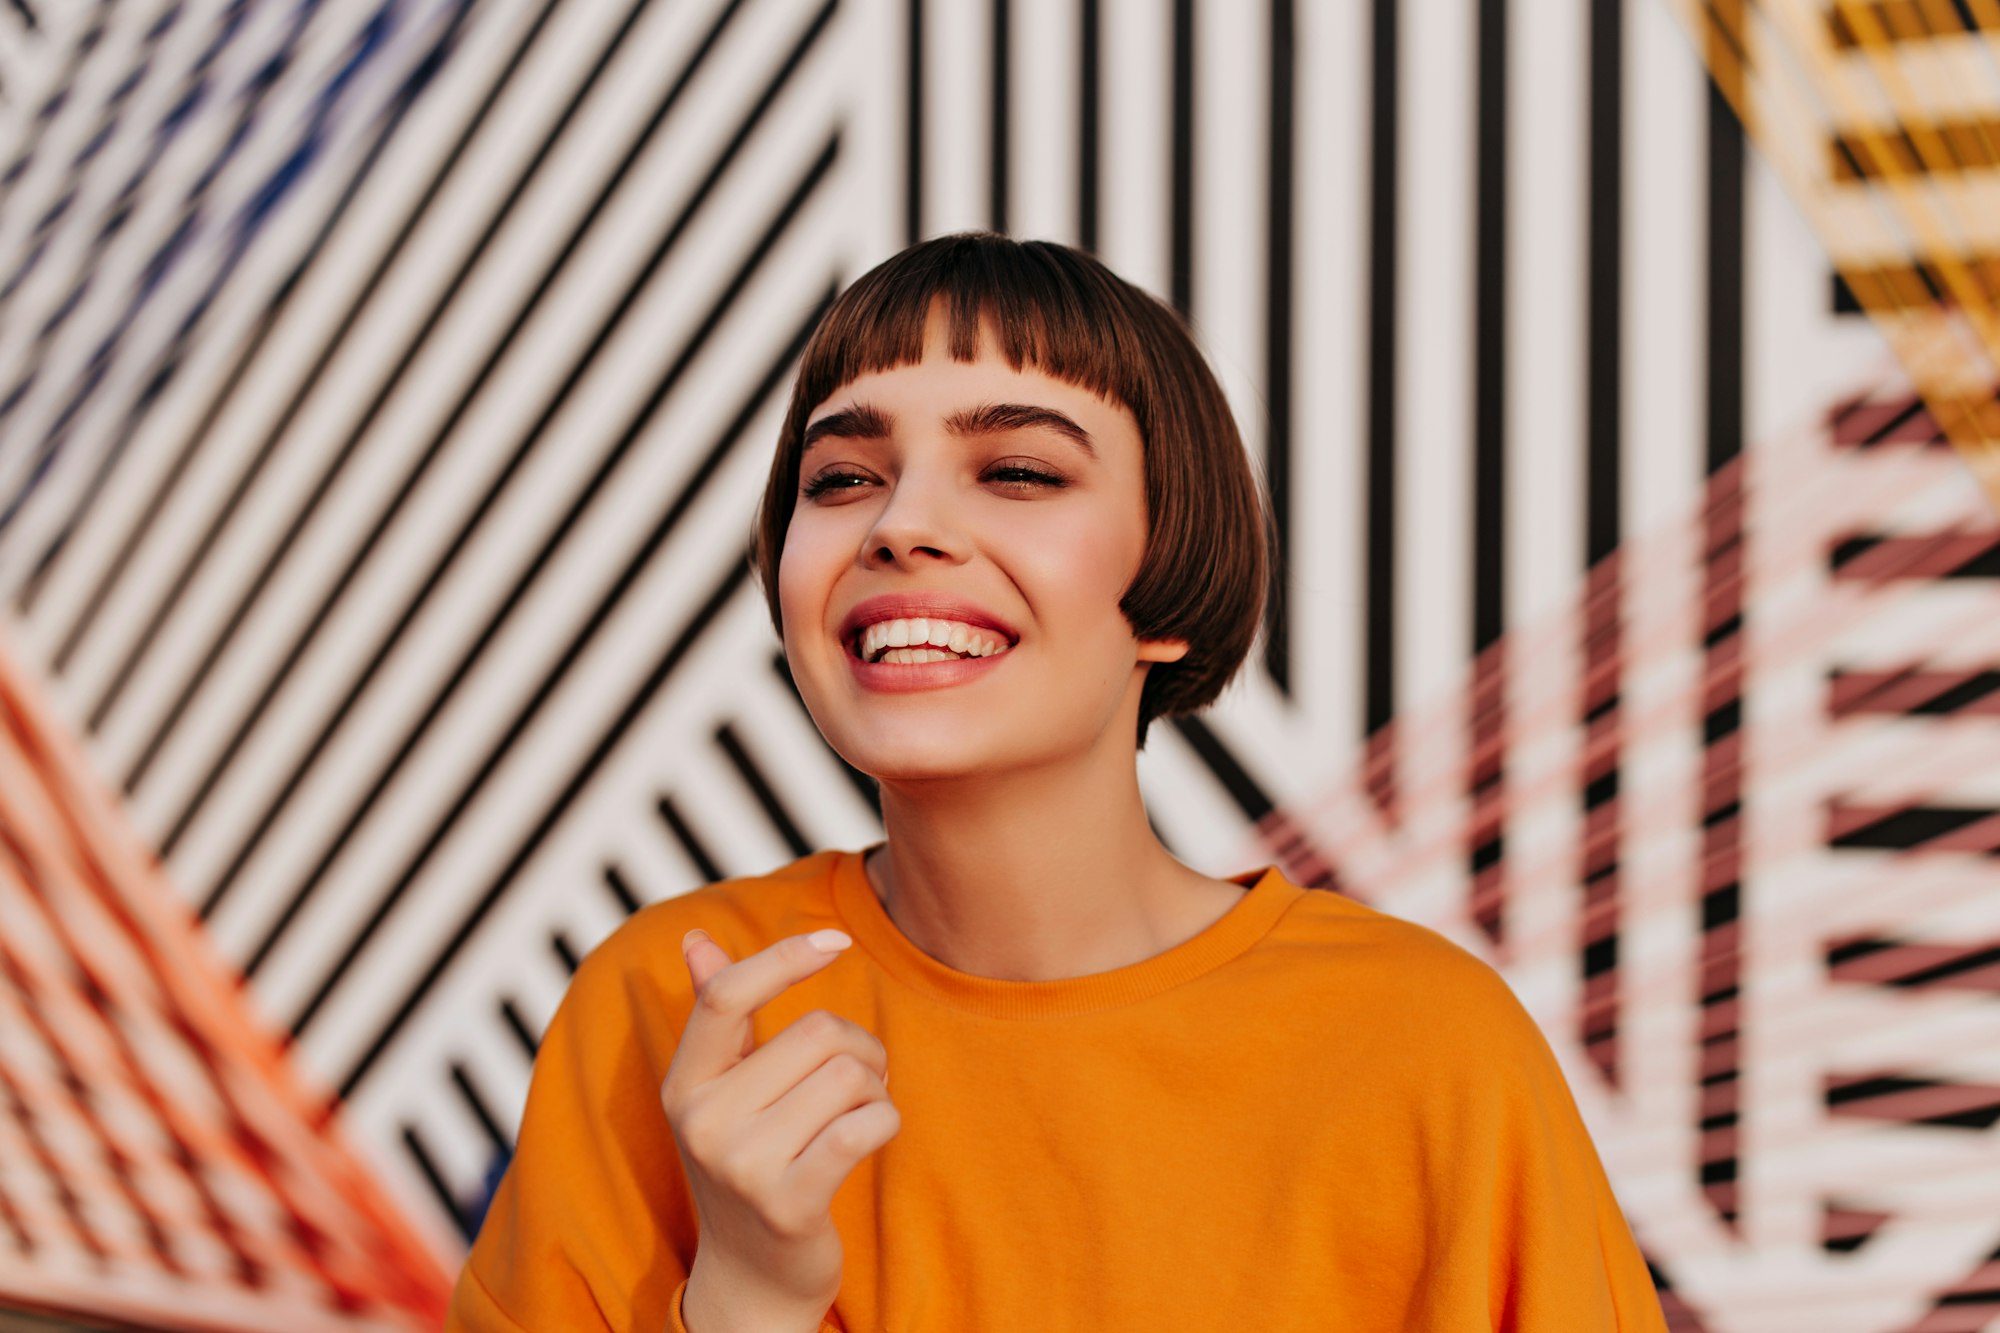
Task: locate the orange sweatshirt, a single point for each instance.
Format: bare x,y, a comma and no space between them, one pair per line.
1312,1115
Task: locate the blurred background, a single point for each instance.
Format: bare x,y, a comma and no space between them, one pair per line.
386,388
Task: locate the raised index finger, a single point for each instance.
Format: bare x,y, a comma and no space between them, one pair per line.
718,1032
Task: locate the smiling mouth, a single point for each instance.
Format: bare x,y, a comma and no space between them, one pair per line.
853,642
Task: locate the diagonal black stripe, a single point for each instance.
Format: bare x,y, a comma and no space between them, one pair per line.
620,892
1252,800
246,356
564,951
569,522
573,651
75,173
475,1102
510,1014
201,791
729,586
87,42
191,566
168,363
535,436
427,1167
634,705
75,185
864,785
761,790
706,863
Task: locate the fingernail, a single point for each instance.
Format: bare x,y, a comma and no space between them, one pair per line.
829,941
688,939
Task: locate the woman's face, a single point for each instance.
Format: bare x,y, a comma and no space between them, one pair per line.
1010,516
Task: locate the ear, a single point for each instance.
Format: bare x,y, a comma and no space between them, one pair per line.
1162,650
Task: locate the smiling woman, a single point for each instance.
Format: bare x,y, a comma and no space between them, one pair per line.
1009,523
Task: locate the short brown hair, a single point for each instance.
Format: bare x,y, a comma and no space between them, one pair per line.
1211,542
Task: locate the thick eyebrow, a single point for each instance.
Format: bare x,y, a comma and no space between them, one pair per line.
865,421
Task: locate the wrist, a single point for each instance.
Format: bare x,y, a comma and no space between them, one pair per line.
715,1302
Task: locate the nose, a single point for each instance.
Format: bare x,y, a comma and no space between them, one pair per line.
916,521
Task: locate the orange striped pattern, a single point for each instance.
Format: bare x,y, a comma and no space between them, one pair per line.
1877,116
158,1153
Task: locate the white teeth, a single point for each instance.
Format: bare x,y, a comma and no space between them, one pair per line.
927,634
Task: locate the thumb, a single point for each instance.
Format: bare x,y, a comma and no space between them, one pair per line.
704,957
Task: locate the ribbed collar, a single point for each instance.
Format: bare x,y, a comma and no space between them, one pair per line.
1231,934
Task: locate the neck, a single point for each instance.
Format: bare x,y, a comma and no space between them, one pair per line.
1037,875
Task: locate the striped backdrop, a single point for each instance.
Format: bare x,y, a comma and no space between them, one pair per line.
386,389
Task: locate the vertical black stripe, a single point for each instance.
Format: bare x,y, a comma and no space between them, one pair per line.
1598,870
1379,699
1278,332
997,128
913,129
1725,281
1489,387
1091,95
1181,281
1605,299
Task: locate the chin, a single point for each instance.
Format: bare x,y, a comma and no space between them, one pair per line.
888,763
914,750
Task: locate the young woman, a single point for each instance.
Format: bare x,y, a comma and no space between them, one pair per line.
1128,1096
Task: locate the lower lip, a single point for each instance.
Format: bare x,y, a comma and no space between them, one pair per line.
901,677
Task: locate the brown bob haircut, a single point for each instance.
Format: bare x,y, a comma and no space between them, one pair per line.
1211,543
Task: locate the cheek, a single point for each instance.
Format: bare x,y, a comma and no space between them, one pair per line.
1076,569
807,568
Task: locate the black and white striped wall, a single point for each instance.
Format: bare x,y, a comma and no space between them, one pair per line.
385,390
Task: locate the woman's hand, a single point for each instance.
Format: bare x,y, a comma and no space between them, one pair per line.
766,1136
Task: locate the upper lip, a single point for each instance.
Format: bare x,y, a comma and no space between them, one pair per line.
921,605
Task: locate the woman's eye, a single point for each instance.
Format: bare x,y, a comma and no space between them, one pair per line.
825,481
1027,476
1012,475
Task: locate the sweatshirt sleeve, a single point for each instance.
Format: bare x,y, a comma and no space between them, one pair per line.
591,1227
1562,1256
